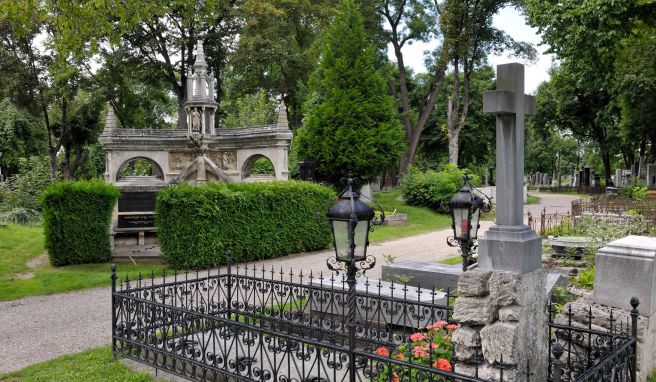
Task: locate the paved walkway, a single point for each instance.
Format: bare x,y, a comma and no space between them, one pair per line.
36,329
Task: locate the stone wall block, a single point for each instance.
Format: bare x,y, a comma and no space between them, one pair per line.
474,311
503,288
498,340
474,283
509,313
466,341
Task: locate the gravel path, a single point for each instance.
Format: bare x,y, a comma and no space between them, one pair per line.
36,329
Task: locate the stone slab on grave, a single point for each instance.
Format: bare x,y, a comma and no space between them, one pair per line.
421,274
413,297
626,268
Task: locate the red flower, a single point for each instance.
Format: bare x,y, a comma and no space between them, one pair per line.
382,351
399,356
419,352
452,327
443,364
417,337
395,378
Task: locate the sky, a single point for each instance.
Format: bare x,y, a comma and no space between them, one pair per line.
512,22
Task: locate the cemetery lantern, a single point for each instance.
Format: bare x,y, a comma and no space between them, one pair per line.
466,208
350,222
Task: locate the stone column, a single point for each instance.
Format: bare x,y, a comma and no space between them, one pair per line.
618,177
501,308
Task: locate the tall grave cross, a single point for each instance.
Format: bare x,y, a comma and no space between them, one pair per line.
510,244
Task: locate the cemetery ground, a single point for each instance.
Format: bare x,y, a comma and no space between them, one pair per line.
74,322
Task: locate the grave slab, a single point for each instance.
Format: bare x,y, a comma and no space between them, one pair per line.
426,275
626,268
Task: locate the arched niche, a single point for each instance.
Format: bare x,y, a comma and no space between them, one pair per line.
258,167
139,169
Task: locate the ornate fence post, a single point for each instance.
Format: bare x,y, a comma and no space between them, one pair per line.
113,277
634,333
229,272
557,351
543,217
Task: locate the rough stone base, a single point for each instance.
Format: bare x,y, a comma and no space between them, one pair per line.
503,320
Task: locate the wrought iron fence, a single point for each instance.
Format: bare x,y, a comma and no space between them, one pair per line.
550,223
617,206
254,324
591,348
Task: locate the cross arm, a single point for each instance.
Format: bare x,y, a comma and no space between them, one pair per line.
505,102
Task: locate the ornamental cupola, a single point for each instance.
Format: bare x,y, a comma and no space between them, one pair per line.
200,104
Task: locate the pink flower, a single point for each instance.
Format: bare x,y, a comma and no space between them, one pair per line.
382,351
440,324
443,364
417,337
419,352
452,327
399,356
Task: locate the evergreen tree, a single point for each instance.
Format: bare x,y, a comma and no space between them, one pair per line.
350,124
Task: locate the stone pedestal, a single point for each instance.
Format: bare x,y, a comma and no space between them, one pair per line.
510,248
502,316
626,268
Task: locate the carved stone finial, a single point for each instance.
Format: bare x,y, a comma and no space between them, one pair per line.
283,123
111,121
200,63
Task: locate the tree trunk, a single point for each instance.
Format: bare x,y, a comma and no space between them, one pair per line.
453,145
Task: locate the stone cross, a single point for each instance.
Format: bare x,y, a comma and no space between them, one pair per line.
510,245
510,105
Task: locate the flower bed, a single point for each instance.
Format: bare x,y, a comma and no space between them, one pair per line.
431,348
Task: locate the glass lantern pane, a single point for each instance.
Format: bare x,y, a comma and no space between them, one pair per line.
341,234
474,221
461,221
361,233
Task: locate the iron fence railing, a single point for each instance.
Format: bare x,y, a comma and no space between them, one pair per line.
267,325
617,206
592,348
549,223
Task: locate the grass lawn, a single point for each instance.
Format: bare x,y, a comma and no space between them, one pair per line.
89,366
420,219
20,244
452,260
532,199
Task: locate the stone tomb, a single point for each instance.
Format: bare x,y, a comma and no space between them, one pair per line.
199,154
422,274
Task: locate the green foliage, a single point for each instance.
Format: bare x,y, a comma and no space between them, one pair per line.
22,190
350,124
433,188
93,365
251,110
559,297
21,136
635,190
262,165
76,219
22,216
585,278
197,225
452,260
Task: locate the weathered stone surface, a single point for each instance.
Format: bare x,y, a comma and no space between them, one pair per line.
498,341
503,288
466,340
509,313
474,283
422,274
474,311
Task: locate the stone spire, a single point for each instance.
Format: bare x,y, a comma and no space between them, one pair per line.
110,121
283,123
200,64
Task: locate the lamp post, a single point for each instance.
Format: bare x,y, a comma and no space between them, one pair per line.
350,222
466,208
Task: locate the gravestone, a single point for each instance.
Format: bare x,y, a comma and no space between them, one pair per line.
545,179
596,180
422,274
586,176
651,175
576,180
490,177
501,306
618,178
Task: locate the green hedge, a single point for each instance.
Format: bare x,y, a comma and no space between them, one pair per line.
196,225
434,189
76,219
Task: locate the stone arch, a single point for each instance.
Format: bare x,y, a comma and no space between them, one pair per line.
247,167
153,171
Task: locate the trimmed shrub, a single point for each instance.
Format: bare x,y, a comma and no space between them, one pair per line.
197,225
433,188
76,219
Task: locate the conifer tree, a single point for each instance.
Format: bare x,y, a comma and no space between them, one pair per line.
350,123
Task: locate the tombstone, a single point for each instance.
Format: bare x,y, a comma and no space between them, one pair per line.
576,180
490,177
635,169
510,255
586,176
596,181
307,169
571,171
651,175
618,177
